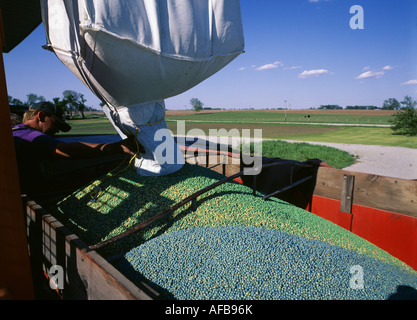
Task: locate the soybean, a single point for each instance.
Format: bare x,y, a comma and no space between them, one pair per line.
255,263
128,199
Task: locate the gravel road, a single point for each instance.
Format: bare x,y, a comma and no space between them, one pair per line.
395,162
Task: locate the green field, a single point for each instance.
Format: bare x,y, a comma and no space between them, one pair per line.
334,134
272,129
283,131
90,126
304,116
360,135
369,135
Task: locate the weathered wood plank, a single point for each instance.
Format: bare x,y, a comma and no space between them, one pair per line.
385,193
379,192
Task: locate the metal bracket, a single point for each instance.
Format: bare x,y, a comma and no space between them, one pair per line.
292,185
346,202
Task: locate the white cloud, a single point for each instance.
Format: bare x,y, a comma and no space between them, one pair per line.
292,68
410,82
313,73
269,66
371,74
368,73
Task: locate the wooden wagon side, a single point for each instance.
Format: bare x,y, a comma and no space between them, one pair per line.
85,275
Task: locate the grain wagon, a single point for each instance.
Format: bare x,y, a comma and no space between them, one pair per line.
333,194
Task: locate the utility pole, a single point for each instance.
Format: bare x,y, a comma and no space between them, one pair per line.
285,110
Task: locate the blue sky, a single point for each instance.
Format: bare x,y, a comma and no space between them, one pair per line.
298,53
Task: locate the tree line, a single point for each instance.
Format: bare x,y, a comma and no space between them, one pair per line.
389,104
71,102
404,121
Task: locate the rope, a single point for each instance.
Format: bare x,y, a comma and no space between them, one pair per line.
95,194
154,123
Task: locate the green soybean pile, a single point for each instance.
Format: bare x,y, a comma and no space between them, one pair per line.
234,245
254,263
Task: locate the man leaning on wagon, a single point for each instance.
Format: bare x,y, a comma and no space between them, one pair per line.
35,142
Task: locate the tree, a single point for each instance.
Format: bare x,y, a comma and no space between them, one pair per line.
330,107
15,102
408,103
33,98
361,107
196,104
81,105
75,102
60,104
391,104
405,120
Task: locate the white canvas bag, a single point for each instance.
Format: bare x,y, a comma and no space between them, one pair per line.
134,54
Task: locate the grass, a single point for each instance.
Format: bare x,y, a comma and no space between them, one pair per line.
274,127
269,131
305,116
300,152
359,135
332,134
322,133
89,126
304,151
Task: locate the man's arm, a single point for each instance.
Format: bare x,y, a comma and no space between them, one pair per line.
91,150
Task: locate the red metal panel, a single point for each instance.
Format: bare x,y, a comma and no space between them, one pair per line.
395,233
329,209
392,232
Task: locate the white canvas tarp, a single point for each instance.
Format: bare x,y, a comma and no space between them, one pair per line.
134,54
